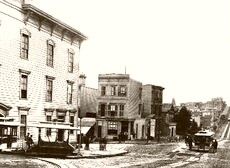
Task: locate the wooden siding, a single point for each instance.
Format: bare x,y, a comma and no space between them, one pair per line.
10,63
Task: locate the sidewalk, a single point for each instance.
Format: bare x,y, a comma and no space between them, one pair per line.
112,149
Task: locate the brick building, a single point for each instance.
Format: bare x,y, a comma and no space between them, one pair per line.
39,68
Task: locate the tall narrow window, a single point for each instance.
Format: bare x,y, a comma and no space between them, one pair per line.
122,108
25,46
113,90
71,120
24,82
103,91
139,109
48,130
23,112
70,62
69,92
102,109
25,35
23,126
50,53
112,111
49,88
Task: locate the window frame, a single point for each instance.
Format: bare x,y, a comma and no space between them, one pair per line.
50,53
69,92
71,121
102,110
71,54
103,90
121,110
24,86
23,83
139,109
25,35
113,90
122,91
48,130
112,110
112,127
49,88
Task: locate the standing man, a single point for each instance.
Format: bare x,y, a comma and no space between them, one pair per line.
119,137
190,142
215,144
27,140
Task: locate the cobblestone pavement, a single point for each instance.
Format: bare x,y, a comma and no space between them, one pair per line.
178,157
91,162
16,161
127,160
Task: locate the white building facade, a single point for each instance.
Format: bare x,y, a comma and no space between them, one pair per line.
39,68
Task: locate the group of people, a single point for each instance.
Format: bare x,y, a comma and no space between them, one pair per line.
29,140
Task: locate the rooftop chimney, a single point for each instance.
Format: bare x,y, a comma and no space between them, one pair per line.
82,79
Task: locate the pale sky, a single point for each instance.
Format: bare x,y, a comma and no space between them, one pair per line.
181,45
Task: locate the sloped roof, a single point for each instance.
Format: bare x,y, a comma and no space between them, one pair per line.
88,100
166,107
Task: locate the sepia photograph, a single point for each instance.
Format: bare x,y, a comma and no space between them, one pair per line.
114,83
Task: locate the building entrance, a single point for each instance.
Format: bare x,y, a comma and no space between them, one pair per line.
60,135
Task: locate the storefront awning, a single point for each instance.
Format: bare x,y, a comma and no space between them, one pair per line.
84,130
53,125
10,123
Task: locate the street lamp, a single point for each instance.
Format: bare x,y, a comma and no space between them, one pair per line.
79,143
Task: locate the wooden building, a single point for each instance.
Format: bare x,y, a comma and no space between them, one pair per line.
39,68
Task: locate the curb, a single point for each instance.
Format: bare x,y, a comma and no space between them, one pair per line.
96,156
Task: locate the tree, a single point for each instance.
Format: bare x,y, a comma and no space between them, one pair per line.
194,127
183,121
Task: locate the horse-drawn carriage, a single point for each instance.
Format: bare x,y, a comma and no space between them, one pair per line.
202,140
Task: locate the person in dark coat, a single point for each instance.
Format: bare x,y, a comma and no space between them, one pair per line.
215,144
190,142
119,137
30,141
105,142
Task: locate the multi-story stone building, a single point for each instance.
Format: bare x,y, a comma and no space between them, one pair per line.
39,68
119,105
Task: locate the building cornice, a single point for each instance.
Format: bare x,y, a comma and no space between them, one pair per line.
5,107
30,10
